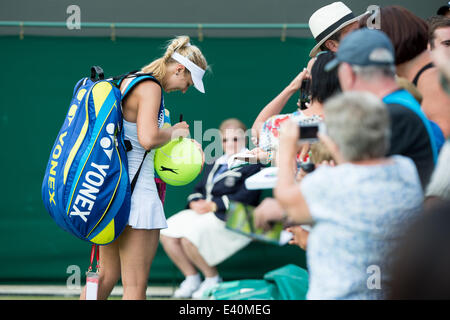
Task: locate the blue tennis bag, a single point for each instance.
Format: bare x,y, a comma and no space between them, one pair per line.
86,187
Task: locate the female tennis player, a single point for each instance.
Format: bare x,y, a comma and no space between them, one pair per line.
131,255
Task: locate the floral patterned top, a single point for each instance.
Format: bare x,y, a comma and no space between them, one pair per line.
270,132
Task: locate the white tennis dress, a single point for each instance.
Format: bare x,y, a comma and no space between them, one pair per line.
146,211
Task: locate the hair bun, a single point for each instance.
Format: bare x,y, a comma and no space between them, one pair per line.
176,44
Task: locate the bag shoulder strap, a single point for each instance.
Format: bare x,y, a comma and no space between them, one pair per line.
419,73
132,79
135,178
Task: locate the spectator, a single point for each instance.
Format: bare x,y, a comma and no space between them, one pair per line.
326,84
441,57
444,10
197,237
439,187
422,261
409,36
323,85
438,32
330,24
357,207
366,63
276,106
320,154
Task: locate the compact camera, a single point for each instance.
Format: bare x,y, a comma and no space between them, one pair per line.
308,132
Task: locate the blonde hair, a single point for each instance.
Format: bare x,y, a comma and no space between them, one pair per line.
411,88
181,45
232,123
319,153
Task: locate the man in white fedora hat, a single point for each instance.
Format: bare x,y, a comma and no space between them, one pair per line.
330,24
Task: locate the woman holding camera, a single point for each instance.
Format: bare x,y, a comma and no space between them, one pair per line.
322,85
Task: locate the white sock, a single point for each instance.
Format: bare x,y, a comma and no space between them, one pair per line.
213,279
194,278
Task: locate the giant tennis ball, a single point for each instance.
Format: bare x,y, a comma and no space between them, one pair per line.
179,162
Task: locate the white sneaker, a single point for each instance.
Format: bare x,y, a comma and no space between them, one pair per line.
187,287
207,284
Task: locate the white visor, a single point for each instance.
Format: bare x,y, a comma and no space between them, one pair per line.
196,72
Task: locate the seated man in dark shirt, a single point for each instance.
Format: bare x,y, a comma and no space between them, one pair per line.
196,238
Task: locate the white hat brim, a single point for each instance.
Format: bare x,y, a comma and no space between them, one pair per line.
198,83
196,72
316,48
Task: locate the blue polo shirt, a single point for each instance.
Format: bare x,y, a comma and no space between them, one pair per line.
404,98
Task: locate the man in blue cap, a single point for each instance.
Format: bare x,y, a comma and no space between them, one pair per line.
365,61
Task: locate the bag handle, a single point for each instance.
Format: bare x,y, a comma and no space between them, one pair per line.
97,70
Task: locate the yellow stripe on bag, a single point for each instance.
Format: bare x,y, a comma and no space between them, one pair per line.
112,198
106,235
80,94
100,92
77,144
70,203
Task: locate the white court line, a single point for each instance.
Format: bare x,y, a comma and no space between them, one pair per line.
54,290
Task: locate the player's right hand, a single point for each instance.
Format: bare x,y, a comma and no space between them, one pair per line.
180,129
